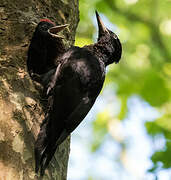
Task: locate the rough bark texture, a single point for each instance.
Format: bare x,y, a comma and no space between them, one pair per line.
21,107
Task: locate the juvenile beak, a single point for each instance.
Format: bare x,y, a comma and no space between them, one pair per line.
101,26
56,29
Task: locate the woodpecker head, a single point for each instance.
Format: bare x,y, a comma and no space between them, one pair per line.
48,29
110,43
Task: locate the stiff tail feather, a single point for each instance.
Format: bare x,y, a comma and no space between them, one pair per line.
40,144
50,151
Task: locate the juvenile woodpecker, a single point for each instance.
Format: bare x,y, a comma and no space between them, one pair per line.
44,48
72,87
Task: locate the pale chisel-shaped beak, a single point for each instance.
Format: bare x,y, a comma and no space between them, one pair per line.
53,31
101,26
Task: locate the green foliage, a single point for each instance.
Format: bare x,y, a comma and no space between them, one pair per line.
99,129
163,156
124,108
154,89
160,126
144,28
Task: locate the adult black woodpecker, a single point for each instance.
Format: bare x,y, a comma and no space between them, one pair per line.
73,89
45,46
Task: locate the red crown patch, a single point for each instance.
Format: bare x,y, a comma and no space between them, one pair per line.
47,20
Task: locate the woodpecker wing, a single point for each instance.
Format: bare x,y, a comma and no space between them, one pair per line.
69,125
72,92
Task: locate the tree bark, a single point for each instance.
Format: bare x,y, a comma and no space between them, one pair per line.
21,107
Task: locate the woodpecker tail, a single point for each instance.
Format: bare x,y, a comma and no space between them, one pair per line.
41,144
47,156
50,149
46,144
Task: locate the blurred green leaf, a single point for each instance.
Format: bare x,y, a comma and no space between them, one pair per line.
163,156
80,41
160,126
153,128
154,89
124,108
99,129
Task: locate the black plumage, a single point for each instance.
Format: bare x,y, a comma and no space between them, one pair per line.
72,88
44,48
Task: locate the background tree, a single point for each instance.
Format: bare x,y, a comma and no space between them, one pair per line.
21,108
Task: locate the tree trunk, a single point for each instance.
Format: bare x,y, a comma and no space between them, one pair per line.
21,107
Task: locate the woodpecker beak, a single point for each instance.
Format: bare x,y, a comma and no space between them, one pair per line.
56,29
102,28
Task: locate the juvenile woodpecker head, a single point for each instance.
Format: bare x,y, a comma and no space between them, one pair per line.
47,28
110,44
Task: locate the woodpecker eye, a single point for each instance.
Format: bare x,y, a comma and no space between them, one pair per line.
112,34
44,28
115,36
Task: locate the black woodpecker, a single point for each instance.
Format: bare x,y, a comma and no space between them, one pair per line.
71,87
44,48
